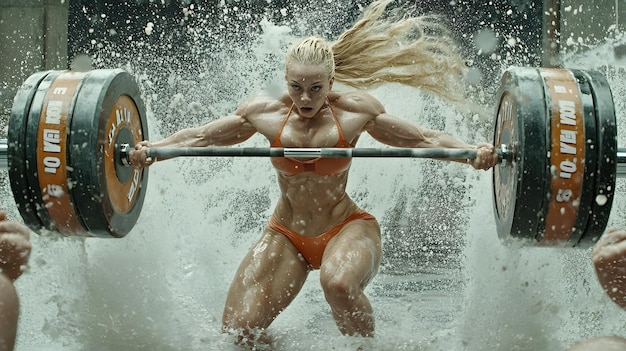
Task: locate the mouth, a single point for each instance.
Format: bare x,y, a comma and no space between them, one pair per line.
306,110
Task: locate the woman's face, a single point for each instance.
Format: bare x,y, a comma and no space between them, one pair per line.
308,86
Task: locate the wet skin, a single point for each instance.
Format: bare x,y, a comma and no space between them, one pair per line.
273,272
15,250
609,259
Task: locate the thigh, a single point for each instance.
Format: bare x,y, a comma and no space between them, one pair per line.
270,276
354,254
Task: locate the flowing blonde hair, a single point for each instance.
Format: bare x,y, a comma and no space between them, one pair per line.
414,51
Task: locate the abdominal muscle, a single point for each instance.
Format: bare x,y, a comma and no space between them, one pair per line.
311,204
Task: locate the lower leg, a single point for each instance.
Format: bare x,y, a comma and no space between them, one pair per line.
353,313
268,279
249,336
350,262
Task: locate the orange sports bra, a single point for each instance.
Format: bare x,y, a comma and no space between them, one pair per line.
322,166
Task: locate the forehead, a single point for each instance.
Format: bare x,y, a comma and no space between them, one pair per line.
306,72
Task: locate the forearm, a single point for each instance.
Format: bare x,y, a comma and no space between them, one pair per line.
410,136
400,133
228,130
437,139
189,137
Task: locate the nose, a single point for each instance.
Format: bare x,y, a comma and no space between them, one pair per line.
305,97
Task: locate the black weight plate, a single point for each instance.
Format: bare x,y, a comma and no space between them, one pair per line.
607,157
108,107
31,149
519,186
16,152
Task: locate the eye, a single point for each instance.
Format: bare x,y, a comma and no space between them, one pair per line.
295,87
316,88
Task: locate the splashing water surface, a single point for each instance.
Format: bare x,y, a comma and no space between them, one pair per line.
446,281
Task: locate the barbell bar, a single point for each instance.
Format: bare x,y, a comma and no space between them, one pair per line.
439,153
70,134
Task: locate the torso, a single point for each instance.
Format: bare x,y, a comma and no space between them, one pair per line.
312,203
289,166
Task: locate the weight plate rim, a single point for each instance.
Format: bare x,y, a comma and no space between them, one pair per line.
99,216
32,129
16,151
524,221
606,174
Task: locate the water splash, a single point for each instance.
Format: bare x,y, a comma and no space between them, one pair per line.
446,282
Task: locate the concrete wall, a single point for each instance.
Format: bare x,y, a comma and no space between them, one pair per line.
33,37
591,21
574,25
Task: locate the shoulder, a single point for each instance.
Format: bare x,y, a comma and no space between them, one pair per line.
357,102
259,105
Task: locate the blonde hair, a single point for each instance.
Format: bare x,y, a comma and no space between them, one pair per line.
313,50
413,51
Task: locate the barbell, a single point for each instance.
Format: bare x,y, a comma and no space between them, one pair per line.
561,127
62,152
70,134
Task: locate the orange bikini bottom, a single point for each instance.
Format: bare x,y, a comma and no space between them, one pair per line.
312,247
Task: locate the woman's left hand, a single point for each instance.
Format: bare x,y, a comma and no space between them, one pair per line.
485,157
15,247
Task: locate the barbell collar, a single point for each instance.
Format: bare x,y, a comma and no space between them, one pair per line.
505,153
124,152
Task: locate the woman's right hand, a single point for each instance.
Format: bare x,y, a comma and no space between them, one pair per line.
609,259
139,157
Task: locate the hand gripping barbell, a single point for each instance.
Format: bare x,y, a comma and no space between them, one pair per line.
70,133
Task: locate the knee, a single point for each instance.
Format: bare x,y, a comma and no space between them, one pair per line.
339,290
